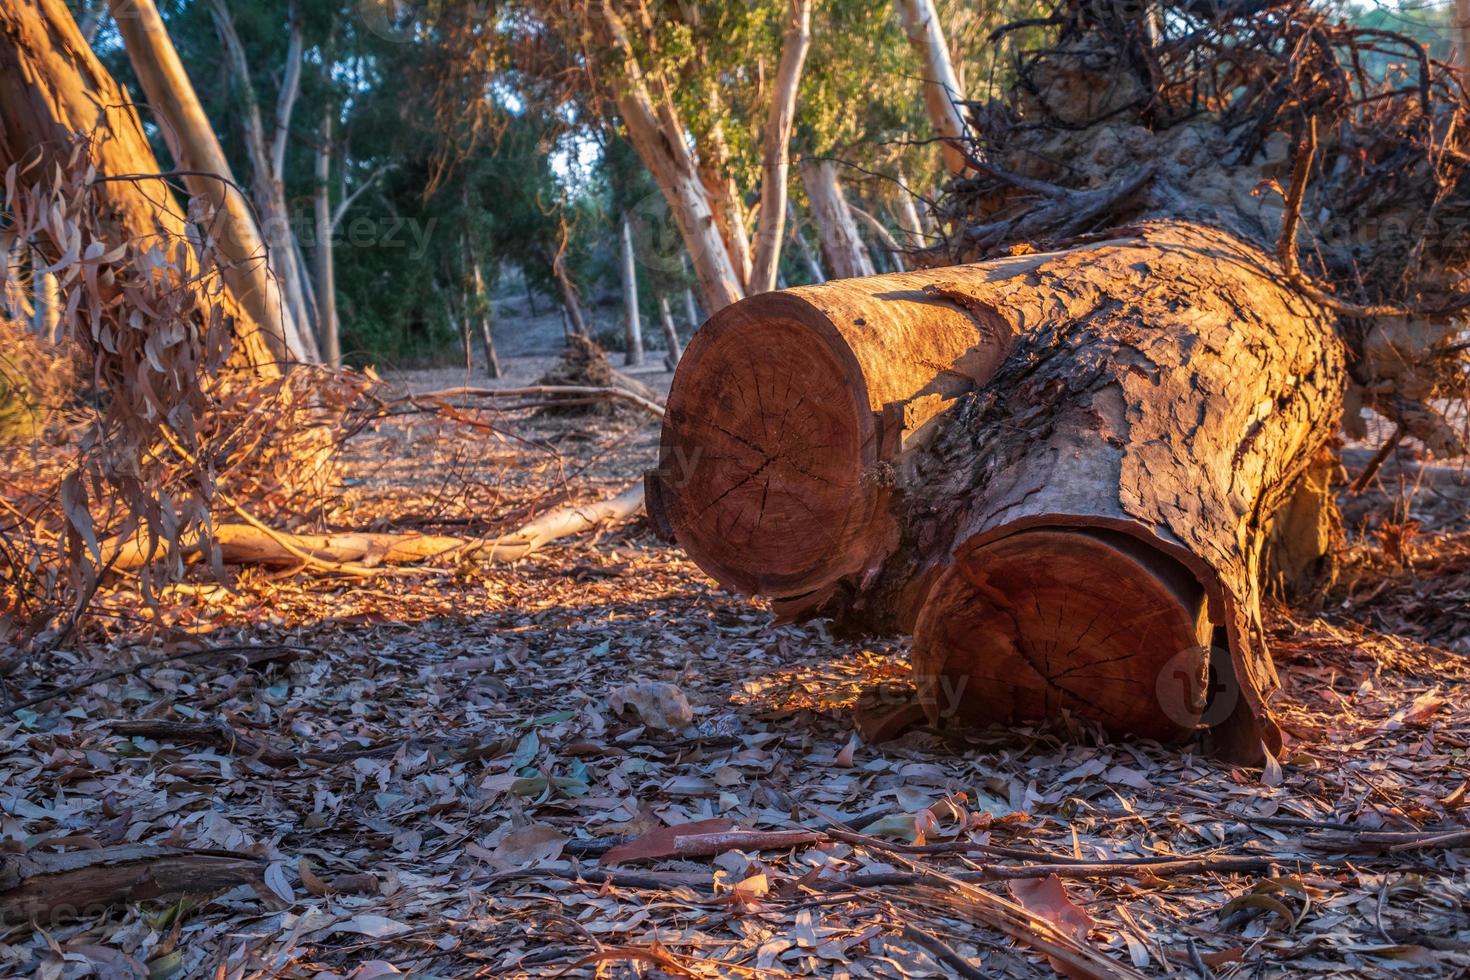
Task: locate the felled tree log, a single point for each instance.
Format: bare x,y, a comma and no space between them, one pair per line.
788,408
1079,532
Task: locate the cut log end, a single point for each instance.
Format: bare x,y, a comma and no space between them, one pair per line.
1091,621
766,455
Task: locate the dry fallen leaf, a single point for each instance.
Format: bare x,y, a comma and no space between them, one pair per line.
1047,898
527,847
659,704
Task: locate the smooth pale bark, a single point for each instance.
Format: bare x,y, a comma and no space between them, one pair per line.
632,320
45,300
808,257
660,140
671,333
255,543
691,311
842,246
326,278
53,90
192,141
484,313
942,90
724,196
776,149
570,302
907,216
885,238
267,182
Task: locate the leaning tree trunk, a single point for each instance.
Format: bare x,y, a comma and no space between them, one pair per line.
1061,471
842,246
943,94
53,91
671,333
192,141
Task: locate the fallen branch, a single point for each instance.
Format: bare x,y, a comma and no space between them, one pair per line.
221,735
358,553
51,888
708,845
243,651
546,391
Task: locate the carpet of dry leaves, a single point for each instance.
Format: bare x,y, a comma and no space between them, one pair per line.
454,755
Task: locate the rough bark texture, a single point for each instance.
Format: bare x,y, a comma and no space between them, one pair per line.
53,90
1078,529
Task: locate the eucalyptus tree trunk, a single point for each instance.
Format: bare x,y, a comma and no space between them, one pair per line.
942,90
907,217
484,313
326,277
570,303
632,321
798,238
195,147
691,311
842,246
776,148
660,139
671,333
45,300
268,156
52,90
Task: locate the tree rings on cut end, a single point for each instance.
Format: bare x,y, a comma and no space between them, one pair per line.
1089,620
766,440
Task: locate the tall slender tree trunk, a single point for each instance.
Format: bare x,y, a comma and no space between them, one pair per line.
192,141
671,333
888,248
907,217
691,311
724,197
570,302
942,90
842,246
776,150
267,157
484,312
798,238
53,90
632,321
326,277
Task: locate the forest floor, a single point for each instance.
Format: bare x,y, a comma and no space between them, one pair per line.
431,768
